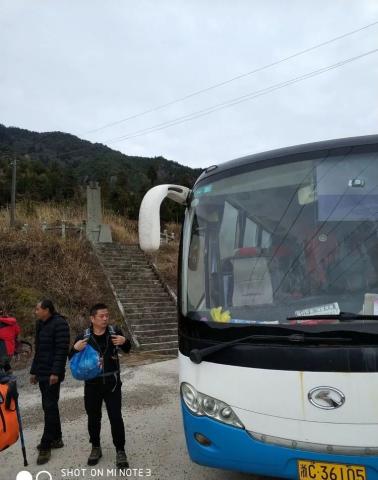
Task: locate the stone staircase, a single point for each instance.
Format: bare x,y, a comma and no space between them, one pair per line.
150,311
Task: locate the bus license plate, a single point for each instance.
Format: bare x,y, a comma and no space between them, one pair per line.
329,471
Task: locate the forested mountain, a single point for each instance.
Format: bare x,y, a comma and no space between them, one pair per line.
57,166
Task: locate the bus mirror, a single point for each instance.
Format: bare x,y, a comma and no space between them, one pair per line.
306,195
149,213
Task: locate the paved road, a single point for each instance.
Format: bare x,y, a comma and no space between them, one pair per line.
155,440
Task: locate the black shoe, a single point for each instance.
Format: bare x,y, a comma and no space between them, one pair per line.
44,456
95,456
121,459
54,444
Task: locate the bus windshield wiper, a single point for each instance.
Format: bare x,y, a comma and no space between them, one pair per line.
339,316
196,355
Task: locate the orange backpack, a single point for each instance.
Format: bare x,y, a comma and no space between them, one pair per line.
9,428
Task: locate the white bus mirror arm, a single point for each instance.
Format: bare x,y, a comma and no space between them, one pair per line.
149,213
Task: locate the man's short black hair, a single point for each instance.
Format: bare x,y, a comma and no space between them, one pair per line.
48,305
99,306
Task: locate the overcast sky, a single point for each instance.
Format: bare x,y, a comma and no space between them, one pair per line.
77,65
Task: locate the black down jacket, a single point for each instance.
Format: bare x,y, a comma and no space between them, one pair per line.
52,340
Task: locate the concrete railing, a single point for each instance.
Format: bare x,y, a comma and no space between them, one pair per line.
166,237
64,227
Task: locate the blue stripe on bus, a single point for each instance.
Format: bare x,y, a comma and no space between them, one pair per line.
234,449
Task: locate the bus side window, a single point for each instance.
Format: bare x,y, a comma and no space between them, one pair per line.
250,233
266,239
228,237
194,248
252,283
196,265
227,231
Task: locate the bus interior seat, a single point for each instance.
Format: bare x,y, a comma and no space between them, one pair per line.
252,284
321,252
286,271
354,265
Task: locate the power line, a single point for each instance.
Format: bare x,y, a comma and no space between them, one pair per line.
237,100
214,108
238,77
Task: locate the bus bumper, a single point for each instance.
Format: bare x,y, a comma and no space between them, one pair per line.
234,449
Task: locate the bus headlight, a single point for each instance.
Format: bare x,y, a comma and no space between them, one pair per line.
201,404
190,397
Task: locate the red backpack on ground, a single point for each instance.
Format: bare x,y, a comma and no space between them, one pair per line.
9,331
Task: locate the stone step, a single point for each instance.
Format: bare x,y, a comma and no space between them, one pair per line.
128,273
144,340
170,312
144,283
124,251
130,279
135,281
169,352
138,286
158,345
124,260
145,298
153,305
123,270
148,315
154,327
120,247
151,314
152,321
144,288
133,298
156,331
126,268
142,292
152,318
124,255
149,309
118,260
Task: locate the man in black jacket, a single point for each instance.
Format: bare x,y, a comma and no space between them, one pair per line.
106,339
52,342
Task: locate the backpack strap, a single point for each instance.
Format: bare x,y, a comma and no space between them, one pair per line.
12,394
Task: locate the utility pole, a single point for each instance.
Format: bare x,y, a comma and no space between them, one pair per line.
13,193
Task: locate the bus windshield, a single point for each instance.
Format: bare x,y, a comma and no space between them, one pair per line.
283,243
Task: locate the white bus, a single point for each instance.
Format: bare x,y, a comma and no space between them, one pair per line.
278,310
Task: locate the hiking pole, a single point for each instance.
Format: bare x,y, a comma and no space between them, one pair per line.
20,425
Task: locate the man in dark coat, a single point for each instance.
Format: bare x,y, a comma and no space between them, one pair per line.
52,341
106,340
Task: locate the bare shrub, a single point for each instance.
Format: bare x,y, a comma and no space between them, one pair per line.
36,265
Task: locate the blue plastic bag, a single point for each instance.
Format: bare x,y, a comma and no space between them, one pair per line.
85,364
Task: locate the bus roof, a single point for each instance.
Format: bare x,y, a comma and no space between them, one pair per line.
305,150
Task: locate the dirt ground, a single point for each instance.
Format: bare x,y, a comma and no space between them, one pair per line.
155,439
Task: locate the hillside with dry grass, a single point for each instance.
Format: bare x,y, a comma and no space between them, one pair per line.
36,265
